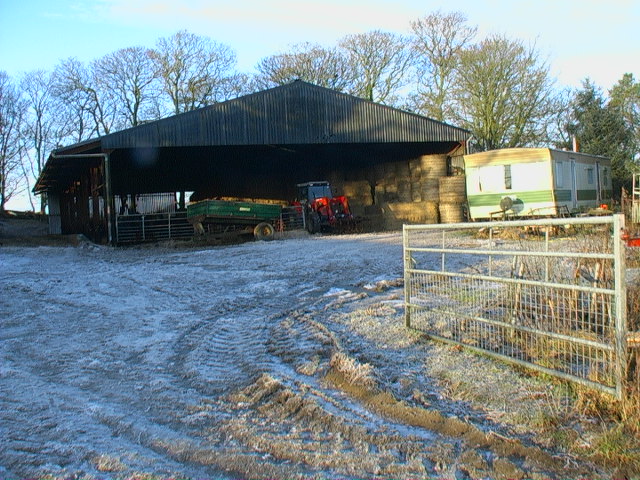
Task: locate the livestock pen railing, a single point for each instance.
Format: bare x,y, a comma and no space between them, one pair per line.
152,227
132,228
546,294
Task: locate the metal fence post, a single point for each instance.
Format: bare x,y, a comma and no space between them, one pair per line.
406,255
620,304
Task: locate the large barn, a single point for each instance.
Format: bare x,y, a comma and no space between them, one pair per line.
258,146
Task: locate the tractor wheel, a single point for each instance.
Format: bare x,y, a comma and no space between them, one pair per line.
263,231
313,225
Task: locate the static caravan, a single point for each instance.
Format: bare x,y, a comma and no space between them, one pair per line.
535,182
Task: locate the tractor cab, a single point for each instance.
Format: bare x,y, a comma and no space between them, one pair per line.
321,210
311,191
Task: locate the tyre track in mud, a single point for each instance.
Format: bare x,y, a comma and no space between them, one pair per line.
211,361
109,349
305,419
78,375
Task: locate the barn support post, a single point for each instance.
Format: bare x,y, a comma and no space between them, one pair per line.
108,198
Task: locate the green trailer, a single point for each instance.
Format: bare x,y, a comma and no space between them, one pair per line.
234,217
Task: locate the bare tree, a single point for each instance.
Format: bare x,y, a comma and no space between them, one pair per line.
438,41
195,71
39,125
129,74
12,110
90,110
379,63
503,94
309,62
236,85
559,117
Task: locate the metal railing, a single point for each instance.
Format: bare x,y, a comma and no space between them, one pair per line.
290,219
546,294
138,228
153,227
635,199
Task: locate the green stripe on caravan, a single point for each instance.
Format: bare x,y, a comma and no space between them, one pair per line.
563,195
586,195
493,199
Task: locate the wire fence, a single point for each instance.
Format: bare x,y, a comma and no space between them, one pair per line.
154,227
546,294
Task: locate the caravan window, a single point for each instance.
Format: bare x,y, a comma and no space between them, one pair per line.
474,184
507,177
590,175
491,178
559,178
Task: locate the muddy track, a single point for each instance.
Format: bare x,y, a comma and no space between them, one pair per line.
230,362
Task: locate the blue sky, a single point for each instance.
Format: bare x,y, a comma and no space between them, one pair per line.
598,39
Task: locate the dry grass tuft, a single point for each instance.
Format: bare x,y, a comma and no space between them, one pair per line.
633,307
357,374
618,442
107,463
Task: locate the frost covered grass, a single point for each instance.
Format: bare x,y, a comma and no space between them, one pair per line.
554,414
358,374
238,362
577,420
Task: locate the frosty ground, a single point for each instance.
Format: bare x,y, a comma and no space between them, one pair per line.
283,359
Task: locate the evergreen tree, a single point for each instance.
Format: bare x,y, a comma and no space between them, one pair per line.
600,129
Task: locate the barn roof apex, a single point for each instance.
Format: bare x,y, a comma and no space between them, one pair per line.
294,113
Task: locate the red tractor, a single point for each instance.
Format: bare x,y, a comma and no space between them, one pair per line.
321,211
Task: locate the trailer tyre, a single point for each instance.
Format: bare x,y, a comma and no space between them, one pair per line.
264,231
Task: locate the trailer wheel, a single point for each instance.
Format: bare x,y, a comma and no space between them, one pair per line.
263,231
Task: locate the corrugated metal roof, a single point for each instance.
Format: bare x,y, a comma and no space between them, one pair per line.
296,113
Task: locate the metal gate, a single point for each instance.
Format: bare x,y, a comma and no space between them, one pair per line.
635,199
153,227
546,294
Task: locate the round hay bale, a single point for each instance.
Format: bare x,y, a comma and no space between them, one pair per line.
404,196
430,189
431,212
411,212
454,184
451,213
404,190
433,166
415,169
453,189
391,188
402,169
451,198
